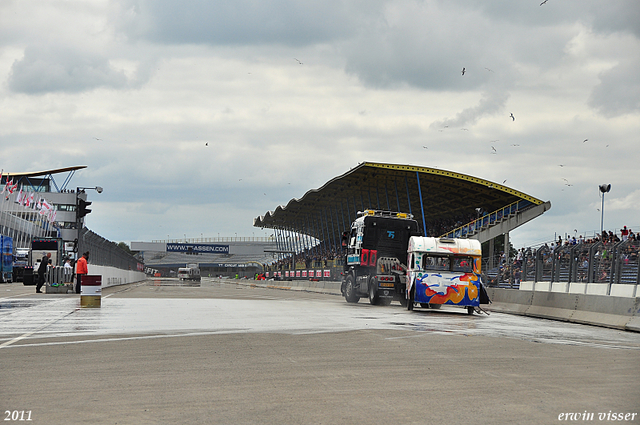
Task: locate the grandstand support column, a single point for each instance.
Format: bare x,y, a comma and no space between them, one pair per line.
424,223
491,255
506,245
506,254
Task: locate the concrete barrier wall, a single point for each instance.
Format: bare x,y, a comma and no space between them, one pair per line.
112,276
601,310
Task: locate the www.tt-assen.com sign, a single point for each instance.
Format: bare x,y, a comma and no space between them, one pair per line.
194,247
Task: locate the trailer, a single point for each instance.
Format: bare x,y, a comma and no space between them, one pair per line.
6,262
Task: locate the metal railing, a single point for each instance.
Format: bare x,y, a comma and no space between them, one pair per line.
599,262
488,220
103,252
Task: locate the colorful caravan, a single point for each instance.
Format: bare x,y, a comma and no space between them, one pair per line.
444,271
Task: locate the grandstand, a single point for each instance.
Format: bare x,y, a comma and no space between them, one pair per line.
444,203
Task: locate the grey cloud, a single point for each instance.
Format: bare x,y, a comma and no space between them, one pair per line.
257,22
56,69
490,104
619,90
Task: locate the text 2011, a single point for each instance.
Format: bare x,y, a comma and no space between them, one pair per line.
17,415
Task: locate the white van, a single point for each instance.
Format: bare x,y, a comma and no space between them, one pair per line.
191,272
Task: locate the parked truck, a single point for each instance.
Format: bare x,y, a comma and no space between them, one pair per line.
6,262
190,272
375,262
21,264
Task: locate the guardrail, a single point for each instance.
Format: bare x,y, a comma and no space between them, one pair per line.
603,263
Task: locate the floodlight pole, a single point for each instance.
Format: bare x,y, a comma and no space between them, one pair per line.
604,188
602,216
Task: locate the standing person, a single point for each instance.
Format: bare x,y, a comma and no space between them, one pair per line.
81,270
41,271
625,233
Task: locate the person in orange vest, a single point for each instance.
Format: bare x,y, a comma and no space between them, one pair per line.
81,270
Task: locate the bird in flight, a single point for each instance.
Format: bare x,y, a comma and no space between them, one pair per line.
504,181
585,140
490,70
206,144
298,61
463,70
100,140
543,2
512,117
494,150
515,144
560,165
425,147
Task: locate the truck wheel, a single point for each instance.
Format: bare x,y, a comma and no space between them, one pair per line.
435,306
374,299
470,310
350,291
412,297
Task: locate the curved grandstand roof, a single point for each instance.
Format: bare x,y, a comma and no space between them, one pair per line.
437,195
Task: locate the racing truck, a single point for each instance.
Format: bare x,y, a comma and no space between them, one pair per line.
376,251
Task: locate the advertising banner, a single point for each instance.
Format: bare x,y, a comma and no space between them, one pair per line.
327,273
197,247
304,273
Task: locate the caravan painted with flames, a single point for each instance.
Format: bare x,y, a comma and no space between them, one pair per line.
444,271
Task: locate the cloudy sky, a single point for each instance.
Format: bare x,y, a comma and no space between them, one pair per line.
289,94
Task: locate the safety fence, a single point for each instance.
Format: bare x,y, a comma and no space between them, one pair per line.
103,252
599,262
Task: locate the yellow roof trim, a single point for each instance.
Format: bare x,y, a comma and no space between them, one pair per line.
455,175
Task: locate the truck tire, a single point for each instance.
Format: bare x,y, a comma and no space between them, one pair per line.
374,299
350,291
412,297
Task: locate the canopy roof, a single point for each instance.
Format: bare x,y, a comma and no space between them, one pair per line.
46,172
435,197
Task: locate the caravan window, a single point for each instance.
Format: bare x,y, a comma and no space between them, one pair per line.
435,262
463,264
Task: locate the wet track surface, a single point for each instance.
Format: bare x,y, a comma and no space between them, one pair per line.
168,308
161,352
